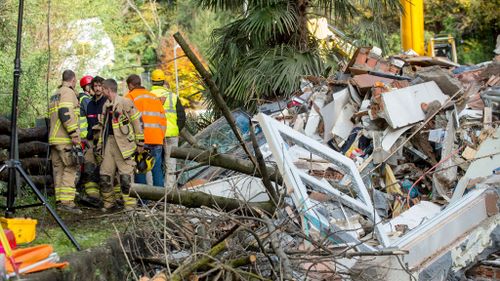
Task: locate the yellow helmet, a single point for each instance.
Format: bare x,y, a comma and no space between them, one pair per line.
157,75
145,162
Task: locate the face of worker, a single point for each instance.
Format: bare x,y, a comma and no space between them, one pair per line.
108,93
105,92
73,83
98,89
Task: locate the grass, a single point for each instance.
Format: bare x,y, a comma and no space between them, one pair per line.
91,229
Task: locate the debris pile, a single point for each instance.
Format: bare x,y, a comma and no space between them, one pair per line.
387,171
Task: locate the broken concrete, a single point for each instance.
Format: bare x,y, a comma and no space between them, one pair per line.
447,83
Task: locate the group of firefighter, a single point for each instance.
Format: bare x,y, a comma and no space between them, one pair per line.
102,141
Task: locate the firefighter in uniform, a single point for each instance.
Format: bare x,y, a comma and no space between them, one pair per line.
120,139
153,118
64,138
176,118
90,176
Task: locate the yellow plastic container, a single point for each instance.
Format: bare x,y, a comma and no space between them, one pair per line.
24,229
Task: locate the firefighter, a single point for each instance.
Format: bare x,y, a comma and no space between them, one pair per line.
64,140
176,118
153,117
90,176
120,139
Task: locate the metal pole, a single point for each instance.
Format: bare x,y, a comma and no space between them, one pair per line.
12,187
47,205
176,72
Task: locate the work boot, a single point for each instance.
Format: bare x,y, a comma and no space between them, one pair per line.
68,207
112,209
91,201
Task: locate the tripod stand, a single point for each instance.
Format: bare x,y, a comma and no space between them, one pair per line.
13,165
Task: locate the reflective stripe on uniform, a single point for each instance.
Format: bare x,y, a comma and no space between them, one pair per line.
66,104
145,97
59,140
65,193
149,125
135,116
72,127
152,113
128,153
171,107
92,189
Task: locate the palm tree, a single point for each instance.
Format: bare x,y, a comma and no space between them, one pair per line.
263,53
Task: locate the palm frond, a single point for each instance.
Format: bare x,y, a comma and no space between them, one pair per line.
235,5
270,22
269,73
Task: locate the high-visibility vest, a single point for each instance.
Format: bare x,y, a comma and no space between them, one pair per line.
170,106
153,115
84,100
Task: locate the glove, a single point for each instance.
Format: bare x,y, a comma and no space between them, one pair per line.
78,154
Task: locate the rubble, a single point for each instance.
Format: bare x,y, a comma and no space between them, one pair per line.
387,171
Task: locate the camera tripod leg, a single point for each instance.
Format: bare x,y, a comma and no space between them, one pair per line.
49,208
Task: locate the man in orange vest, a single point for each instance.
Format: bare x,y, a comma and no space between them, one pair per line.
153,117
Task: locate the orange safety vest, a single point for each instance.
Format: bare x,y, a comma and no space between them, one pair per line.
153,115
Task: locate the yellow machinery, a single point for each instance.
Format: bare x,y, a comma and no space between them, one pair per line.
412,33
332,36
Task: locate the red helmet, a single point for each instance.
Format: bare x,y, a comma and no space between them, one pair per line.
85,80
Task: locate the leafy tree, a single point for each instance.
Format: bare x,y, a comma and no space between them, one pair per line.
267,48
474,24
190,85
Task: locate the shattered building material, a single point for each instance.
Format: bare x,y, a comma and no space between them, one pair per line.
296,180
332,111
432,245
447,83
445,180
241,187
402,107
365,82
487,159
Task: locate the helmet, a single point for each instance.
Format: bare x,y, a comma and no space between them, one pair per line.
157,75
145,162
87,79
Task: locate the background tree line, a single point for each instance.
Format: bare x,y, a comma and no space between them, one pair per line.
256,49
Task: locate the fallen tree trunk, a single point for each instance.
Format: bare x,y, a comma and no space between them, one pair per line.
28,150
33,166
226,161
33,148
196,199
24,135
39,181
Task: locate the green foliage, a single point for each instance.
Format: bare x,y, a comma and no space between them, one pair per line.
129,30
473,24
473,51
263,53
198,23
